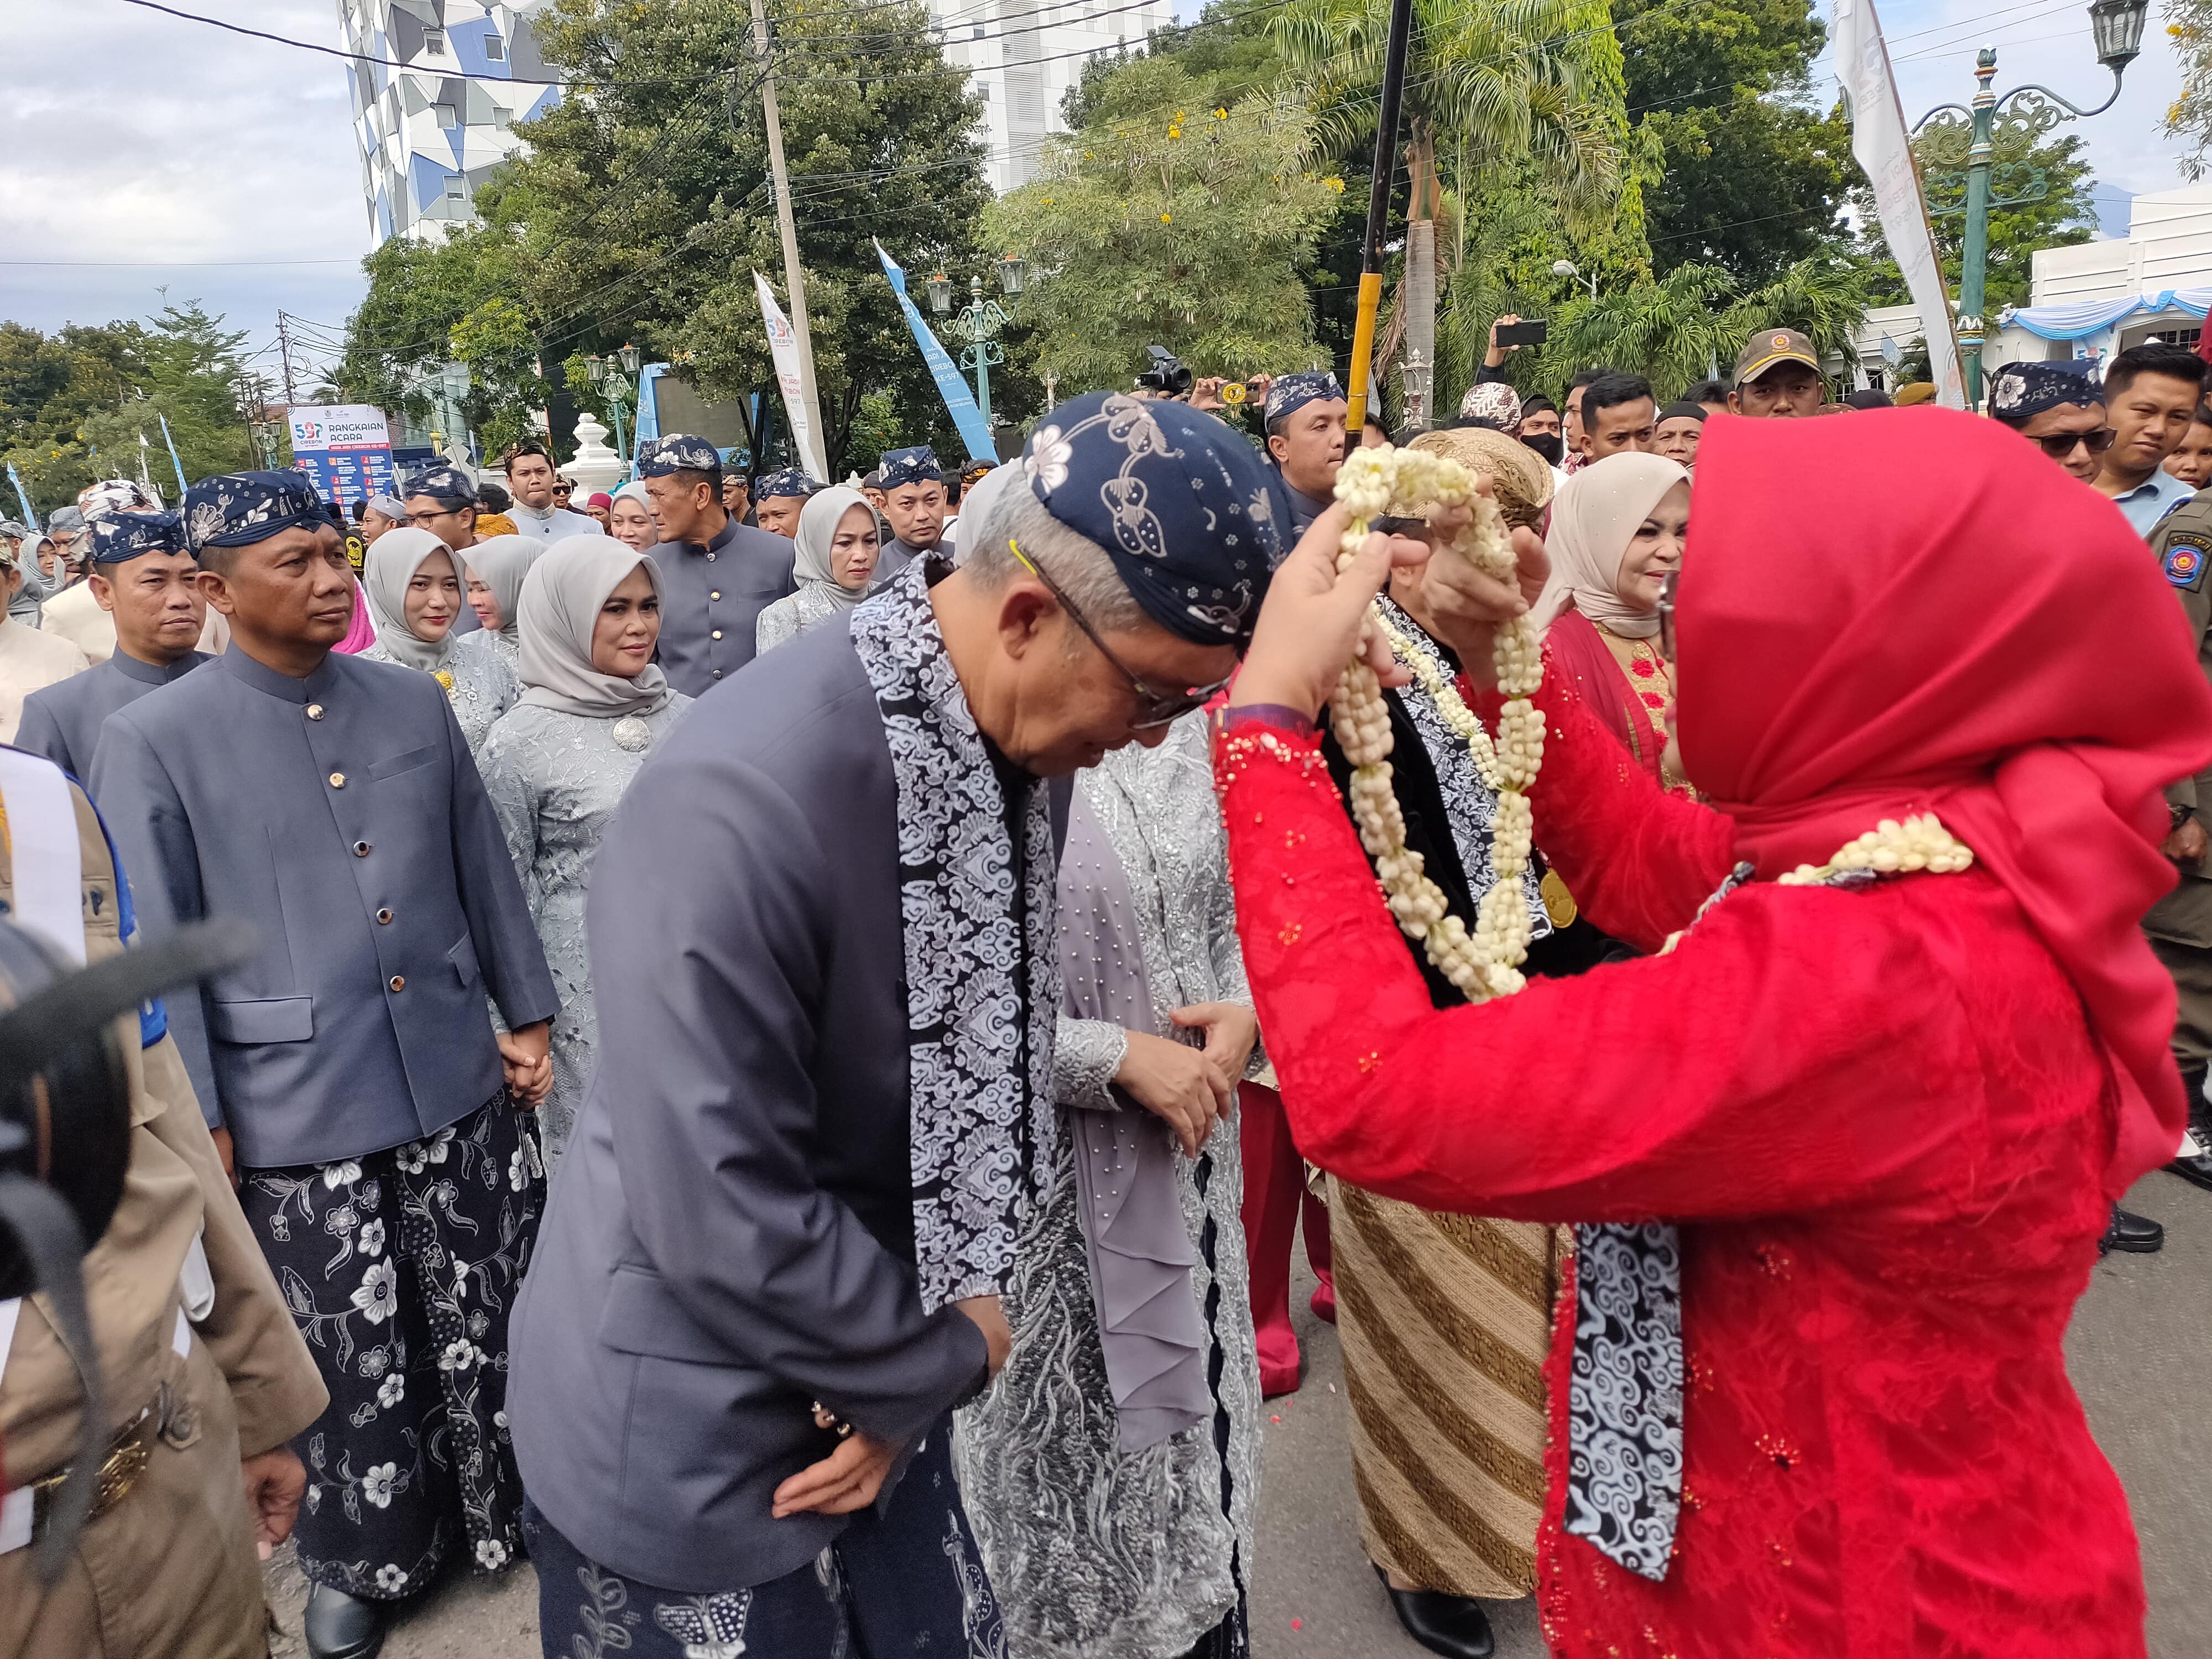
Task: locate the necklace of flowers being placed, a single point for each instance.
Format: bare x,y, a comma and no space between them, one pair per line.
1890,849
1485,962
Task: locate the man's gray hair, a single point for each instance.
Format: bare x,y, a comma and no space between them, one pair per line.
1083,569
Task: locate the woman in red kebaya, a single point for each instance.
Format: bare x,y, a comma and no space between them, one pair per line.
1839,1160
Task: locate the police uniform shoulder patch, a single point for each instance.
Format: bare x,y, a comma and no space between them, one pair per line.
2188,555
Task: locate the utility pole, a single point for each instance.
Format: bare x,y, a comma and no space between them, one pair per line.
795,280
285,357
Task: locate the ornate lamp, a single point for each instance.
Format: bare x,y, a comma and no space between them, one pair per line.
1013,273
2117,26
940,292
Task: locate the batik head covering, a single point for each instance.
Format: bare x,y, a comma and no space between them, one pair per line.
1843,663
389,564
1492,404
501,562
789,482
1593,519
237,509
116,537
679,451
559,609
904,466
974,468
1179,501
2020,392
444,484
1288,394
817,526
65,521
97,501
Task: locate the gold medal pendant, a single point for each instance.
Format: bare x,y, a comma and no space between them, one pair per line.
1559,903
445,677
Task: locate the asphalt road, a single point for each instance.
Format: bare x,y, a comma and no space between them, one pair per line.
2140,1350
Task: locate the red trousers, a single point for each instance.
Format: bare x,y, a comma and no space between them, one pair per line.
1274,1194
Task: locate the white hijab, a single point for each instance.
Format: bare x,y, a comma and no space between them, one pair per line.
501,562
819,519
558,610
389,564
1593,519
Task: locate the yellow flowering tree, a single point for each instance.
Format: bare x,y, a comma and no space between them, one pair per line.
2189,24
1168,220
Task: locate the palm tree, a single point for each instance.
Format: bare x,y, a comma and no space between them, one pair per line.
1487,82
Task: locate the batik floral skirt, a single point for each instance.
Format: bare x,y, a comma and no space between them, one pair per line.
399,1268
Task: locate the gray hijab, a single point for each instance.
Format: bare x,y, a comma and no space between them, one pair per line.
559,609
391,564
501,562
819,519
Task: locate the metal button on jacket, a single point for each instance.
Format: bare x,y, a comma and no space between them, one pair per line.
338,779
314,711
361,849
398,981
714,593
715,635
384,917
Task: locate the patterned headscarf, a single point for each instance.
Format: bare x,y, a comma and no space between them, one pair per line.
236,509
443,482
2020,392
906,466
1288,394
790,481
116,537
97,501
679,451
1492,404
1180,501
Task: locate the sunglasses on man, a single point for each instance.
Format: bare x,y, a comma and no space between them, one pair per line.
1154,709
2059,446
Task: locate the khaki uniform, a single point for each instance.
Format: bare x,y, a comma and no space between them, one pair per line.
170,1569
2181,925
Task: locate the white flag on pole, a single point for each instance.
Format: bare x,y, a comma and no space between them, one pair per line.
783,347
1884,150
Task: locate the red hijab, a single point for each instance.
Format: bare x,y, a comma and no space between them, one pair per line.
1918,611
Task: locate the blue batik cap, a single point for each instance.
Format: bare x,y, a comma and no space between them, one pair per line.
2020,392
441,480
906,466
1288,394
1181,502
791,480
120,536
236,509
679,451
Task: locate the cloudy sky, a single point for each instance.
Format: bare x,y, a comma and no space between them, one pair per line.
139,151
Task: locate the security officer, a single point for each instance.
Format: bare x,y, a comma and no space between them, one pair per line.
205,1376
331,802
2180,923
144,575
716,575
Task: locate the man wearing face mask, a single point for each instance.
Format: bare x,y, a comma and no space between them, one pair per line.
1304,420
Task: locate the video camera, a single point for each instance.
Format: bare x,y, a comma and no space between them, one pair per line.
1169,375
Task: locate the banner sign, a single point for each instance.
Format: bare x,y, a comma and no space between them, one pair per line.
783,347
959,402
346,449
1884,149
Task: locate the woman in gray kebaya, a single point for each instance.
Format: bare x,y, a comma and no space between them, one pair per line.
413,588
834,562
593,705
496,566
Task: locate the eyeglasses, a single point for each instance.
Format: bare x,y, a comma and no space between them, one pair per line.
1154,709
421,521
2060,445
1667,614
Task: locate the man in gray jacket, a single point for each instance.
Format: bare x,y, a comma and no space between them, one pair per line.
376,1117
823,947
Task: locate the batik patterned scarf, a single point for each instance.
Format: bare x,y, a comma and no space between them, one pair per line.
982,961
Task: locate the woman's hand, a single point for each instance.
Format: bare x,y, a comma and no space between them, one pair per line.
1184,1087
1314,620
1467,606
525,1053
1232,1031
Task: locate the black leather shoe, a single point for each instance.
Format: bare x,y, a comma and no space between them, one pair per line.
2138,1234
341,1626
1454,1626
2196,1170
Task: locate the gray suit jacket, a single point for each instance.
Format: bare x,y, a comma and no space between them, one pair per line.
342,816
731,1235
711,597
62,722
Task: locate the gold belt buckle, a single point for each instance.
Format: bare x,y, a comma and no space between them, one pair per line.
127,1455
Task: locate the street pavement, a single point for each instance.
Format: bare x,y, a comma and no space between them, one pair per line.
2140,1350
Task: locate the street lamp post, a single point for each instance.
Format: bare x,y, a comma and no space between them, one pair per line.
981,321
613,375
1566,268
1414,376
2027,112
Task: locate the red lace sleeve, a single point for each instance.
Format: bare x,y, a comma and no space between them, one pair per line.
1752,1071
1638,861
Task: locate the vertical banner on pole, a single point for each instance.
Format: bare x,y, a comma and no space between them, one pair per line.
31,519
974,431
1883,149
783,348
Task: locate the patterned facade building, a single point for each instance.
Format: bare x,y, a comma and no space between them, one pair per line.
431,132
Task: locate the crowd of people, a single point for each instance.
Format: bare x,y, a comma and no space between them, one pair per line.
814,1163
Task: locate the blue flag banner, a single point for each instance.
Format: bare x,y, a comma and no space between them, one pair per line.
959,400
31,519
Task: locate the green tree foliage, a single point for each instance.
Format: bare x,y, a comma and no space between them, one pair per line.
1693,321
1753,174
2065,214
1228,51
2189,117
1168,222
74,403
